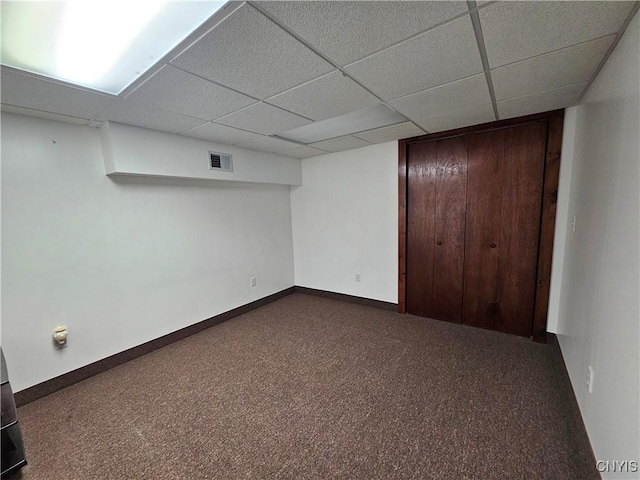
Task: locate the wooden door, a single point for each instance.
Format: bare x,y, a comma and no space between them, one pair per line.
505,177
436,204
507,174
473,225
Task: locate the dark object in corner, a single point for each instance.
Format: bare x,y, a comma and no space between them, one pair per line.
12,449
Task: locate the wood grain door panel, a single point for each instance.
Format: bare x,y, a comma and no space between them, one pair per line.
522,177
506,169
420,226
436,204
484,201
450,206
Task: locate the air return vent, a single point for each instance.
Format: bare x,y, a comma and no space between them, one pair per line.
220,161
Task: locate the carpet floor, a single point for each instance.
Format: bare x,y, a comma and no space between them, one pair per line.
309,387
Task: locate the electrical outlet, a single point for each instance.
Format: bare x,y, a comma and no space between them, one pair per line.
60,334
253,281
573,224
357,277
590,376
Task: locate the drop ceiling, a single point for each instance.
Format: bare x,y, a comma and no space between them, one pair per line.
256,71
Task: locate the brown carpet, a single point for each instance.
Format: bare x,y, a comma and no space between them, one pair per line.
309,387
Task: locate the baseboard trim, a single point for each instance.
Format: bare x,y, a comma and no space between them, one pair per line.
48,387
58,383
576,418
368,302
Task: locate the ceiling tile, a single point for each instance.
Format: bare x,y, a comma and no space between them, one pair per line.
459,119
251,54
131,113
348,31
23,90
303,152
325,97
357,121
341,143
444,100
388,134
517,30
264,119
552,70
220,133
177,91
268,144
541,102
442,55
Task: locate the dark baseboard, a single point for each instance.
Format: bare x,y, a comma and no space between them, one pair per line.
368,302
66,380
58,383
574,418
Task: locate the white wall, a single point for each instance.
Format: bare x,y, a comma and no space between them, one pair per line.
563,219
139,151
121,261
345,221
599,314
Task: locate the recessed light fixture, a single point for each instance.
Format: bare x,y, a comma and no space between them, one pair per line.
352,122
96,44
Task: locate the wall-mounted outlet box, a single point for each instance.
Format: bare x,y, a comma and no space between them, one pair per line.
60,335
254,282
357,277
590,378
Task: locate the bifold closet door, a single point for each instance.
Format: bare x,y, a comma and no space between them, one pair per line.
436,203
505,176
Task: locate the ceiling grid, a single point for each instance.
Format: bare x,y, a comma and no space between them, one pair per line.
477,28
620,32
326,59
255,71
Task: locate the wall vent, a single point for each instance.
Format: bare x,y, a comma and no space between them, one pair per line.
220,161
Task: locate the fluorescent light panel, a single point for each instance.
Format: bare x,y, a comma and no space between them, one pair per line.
352,122
94,43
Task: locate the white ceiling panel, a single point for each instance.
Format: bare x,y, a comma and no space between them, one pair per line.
220,133
541,102
444,100
36,93
325,97
264,119
517,30
303,152
341,143
251,54
459,119
567,66
138,115
388,134
248,79
352,122
177,91
442,55
348,31
268,144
